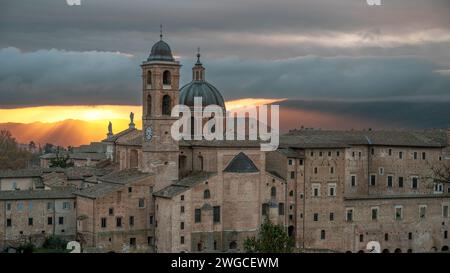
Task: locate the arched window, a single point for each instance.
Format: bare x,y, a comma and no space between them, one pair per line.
397,250
206,194
233,245
166,78
149,105
149,78
166,105
273,192
291,193
444,248
385,250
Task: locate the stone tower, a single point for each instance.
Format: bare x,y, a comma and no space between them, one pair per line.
160,74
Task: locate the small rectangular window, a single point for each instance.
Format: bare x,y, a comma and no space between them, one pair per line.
182,240
398,213
66,205
130,189
280,208
132,242
349,215
332,189
290,161
300,162
424,155
316,217
353,180
182,209
8,206
445,211
198,215
337,153
374,213
131,221
361,238
216,214
390,152
49,205
61,220
49,221
111,211
30,221
414,182
390,178
141,203
332,170
331,216
373,179
292,175
8,222
400,182
103,222
182,197
400,155
119,222
150,219
415,155
322,234
181,225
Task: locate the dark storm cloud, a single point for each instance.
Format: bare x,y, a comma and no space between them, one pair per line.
65,77
53,77
52,53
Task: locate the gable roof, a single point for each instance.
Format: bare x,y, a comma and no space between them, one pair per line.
183,184
241,163
98,190
124,176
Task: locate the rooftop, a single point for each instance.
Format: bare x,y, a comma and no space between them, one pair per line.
37,194
183,184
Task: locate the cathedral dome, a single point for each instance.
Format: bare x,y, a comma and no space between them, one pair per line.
161,52
210,95
199,87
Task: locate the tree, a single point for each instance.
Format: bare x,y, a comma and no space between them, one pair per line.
441,174
61,161
11,157
270,239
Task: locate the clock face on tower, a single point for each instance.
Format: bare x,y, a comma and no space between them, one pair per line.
149,133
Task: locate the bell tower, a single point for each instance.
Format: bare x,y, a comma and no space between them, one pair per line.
160,85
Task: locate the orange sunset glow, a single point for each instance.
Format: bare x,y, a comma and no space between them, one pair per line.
81,124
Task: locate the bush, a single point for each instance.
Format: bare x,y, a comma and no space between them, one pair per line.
26,248
55,242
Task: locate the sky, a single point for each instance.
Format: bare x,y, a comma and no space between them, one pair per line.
390,57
